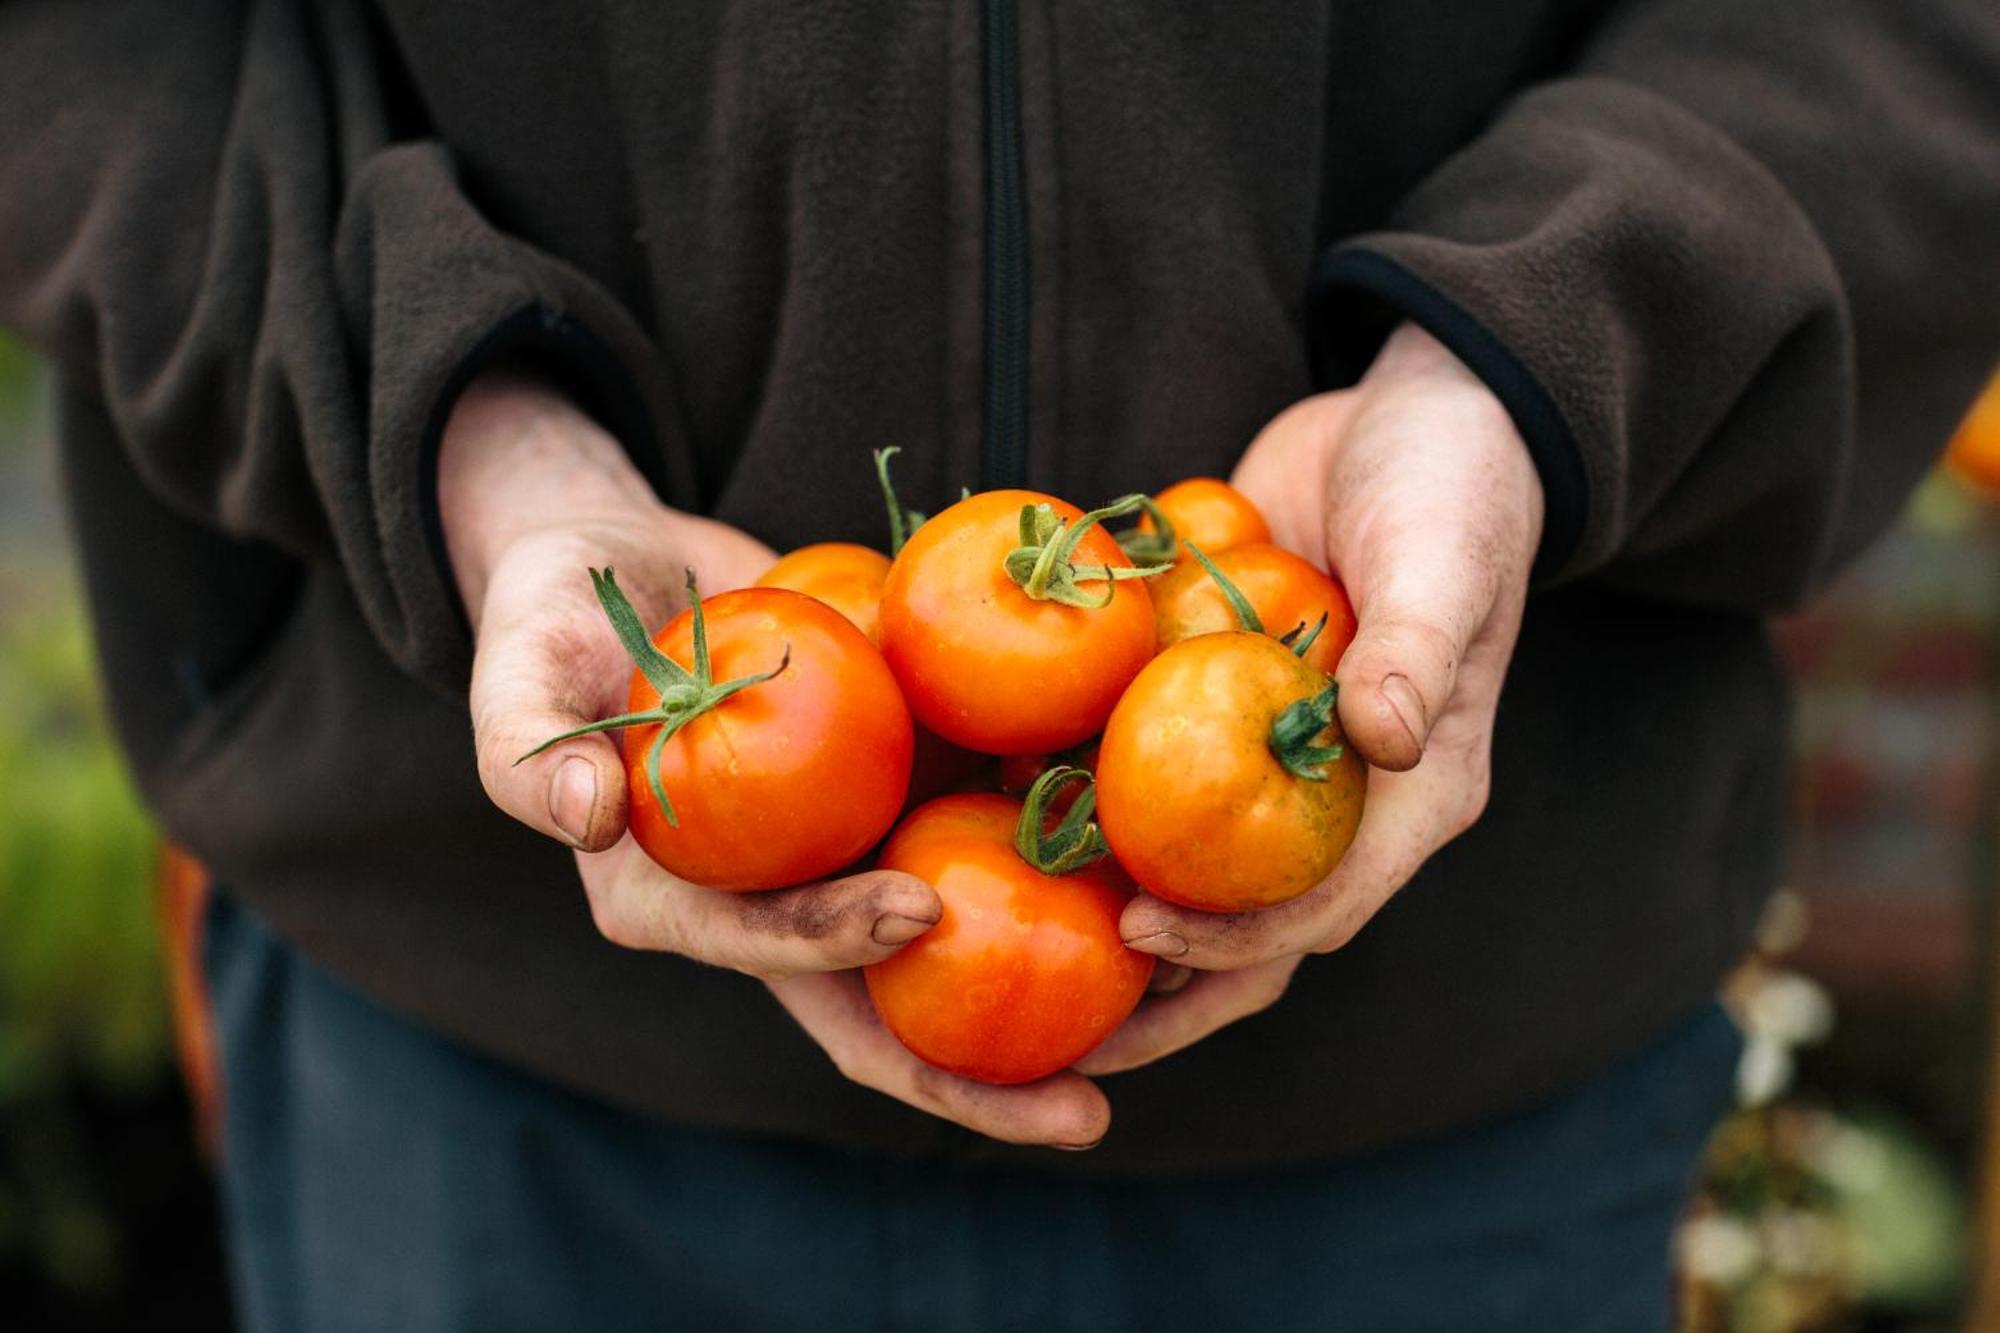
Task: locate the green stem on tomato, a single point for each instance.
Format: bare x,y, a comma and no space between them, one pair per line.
1150,548
1044,564
902,521
684,695
1295,730
1301,644
1246,614
1076,840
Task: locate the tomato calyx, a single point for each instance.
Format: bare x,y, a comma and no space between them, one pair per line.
684,695
902,520
1298,638
1044,564
1158,547
1076,840
1295,729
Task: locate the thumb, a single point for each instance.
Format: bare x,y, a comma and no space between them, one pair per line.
1397,677
545,666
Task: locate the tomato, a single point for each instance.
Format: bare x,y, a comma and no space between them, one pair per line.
1286,591
1210,513
846,576
1974,451
1191,792
986,664
787,779
1024,973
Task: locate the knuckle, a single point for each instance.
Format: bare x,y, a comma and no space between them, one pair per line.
1334,940
1268,991
1473,796
611,923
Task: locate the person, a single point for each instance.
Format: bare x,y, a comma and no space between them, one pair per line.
1576,340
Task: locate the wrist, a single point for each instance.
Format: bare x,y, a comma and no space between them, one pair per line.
1411,360
516,458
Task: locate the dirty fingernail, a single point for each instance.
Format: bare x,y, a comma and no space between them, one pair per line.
1077,1147
1408,707
893,929
572,796
1168,978
1161,944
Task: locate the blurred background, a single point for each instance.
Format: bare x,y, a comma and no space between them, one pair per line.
1845,1195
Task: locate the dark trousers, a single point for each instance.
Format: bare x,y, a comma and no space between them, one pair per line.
381,1178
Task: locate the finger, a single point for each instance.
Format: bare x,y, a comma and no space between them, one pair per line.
1064,1110
1417,615
1283,472
726,557
825,927
546,664
1168,978
1159,1027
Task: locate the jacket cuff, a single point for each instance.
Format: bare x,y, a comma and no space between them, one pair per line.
555,348
1654,310
433,295
1358,296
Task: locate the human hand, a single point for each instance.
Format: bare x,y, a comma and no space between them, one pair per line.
532,493
1416,490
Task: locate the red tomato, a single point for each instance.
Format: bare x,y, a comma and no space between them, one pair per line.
849,578
986,665
1286,591
845,576
787,780
1024,973
1191,791
1210,513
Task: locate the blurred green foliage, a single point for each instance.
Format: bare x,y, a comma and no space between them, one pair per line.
79,975
82,1002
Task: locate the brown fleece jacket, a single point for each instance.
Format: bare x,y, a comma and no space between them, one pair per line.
1732,268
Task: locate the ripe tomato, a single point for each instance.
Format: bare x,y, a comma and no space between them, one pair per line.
1191,792
1210,513
1974,451
1286,591
846,576
1024,973
989,666
788,779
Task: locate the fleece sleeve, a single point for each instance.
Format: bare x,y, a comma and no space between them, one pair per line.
212,213
1735,274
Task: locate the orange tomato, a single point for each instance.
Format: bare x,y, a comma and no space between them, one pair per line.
1974,451
1286,591
849,577
1024,973
846,576
1210,513
1191,793
789,779
986,665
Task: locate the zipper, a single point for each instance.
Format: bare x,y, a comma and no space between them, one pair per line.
1003,450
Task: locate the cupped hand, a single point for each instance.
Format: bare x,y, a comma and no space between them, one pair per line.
532,494
1415,489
